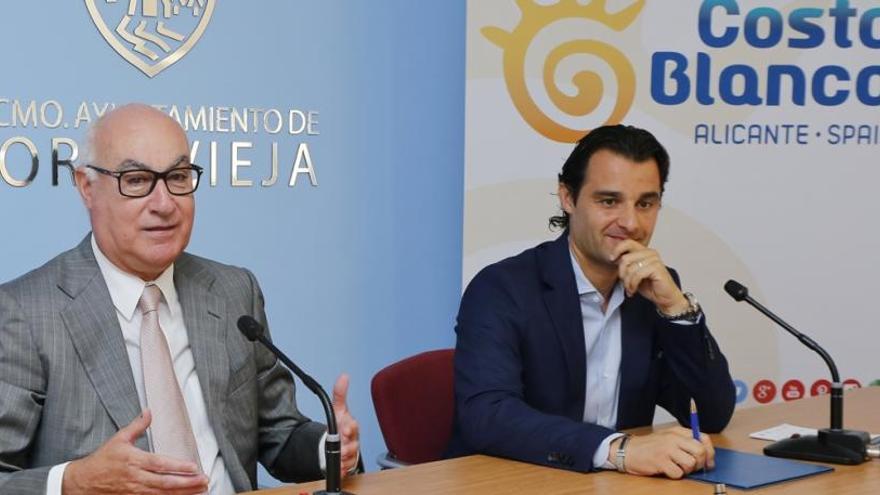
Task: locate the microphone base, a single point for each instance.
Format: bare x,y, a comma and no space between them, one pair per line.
830,445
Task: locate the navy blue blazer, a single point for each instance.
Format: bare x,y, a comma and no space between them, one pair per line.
520,365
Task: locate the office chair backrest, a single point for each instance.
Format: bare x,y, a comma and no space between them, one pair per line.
414,405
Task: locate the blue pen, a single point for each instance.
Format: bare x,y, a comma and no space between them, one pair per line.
695,421
695,424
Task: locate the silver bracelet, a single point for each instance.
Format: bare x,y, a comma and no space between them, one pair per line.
621,454
691,314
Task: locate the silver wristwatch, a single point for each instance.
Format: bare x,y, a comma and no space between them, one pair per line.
621,454
691,314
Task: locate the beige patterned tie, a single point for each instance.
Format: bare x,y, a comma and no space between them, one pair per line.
171,431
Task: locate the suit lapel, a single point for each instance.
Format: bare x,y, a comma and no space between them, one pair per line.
636,345
93,328
563,304
204,314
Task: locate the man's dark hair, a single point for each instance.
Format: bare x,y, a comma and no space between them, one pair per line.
630,142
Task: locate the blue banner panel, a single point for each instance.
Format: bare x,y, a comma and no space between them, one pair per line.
332,138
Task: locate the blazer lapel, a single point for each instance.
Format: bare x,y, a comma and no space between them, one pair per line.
563,305
204,314
93,328
637,344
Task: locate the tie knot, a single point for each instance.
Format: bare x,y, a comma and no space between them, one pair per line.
150,298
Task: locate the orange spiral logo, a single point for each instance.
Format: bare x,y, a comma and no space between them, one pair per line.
589,84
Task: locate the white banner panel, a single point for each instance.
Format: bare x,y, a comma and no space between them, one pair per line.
769,111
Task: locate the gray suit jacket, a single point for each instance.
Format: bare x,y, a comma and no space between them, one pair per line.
66,384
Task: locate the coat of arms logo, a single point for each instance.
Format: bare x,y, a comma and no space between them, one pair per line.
151,34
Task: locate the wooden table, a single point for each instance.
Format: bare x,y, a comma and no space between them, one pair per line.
482,475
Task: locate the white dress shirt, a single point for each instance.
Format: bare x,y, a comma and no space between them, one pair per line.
602,337
125,291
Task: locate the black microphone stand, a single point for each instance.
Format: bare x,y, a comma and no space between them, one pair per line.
836,444
332,445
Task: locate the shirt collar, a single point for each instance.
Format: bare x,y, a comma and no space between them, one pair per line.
584,286
126,289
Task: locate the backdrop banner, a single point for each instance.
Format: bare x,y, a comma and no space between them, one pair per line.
769,112
330,134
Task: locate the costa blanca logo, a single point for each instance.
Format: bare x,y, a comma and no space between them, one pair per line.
590,86
152,35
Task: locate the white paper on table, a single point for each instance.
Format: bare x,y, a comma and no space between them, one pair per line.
785,430
781,432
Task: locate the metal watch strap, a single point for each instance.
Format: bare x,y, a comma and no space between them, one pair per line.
692,312
621,454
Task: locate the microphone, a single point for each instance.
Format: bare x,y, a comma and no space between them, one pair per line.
835,445
254,331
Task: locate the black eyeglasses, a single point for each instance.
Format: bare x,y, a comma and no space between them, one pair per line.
138,183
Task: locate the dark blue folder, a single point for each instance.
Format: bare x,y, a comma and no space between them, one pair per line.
742,470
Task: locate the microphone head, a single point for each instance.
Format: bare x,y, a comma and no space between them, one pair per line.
736,290
250,327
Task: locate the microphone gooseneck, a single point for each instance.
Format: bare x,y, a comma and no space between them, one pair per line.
835,444
255,332
740,293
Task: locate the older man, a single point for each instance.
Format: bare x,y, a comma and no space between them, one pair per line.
121,367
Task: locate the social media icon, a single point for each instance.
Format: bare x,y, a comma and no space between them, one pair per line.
792,390
764,391
820,387
742,391
851,383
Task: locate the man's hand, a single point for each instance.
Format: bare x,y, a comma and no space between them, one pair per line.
349,431
120,467
672,453
641,270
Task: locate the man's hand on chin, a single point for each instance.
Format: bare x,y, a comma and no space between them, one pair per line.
642,271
